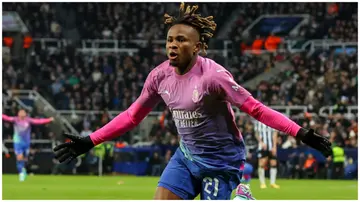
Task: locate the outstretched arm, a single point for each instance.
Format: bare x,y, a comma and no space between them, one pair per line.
269,116
40,121
122,123
224,84
8,118
130,118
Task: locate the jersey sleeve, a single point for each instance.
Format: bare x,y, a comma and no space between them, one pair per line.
222,83
39,121
269,117
8,118
149,96
131,117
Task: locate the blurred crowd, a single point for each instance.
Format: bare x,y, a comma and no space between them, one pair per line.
336,21
123,21
113,82
73,80
323,79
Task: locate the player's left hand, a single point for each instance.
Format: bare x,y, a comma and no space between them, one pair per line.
70,150
310,138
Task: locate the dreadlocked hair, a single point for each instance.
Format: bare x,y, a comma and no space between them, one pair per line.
205,25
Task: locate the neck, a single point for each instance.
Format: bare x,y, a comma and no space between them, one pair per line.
186,69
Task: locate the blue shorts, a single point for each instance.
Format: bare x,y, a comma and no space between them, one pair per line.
23,149
187,179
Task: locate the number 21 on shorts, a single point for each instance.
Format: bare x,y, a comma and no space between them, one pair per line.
211,188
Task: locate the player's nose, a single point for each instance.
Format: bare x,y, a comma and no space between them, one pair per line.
173,46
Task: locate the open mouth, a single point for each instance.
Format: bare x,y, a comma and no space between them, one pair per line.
173,55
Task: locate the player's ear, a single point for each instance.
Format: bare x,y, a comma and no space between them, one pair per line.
197,48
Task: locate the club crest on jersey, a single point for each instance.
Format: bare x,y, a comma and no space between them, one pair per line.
195,96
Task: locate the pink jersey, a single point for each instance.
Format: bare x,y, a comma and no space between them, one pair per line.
22,128
200,102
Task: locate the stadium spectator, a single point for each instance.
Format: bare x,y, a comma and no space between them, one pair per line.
86,130
92,161
292,166
156,163
337,161
168,156
32,165
350,170
310,167
58,168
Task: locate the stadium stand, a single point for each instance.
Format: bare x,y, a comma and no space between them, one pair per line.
105,20
328,20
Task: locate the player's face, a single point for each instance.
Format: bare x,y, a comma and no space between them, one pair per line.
21,113
182,45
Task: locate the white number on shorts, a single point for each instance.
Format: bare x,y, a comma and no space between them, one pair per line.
209,182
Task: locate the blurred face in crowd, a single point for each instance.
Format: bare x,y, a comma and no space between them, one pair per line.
183,44
168,154
156,155
22,114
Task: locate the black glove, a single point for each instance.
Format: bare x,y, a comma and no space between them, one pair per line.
310,138
74,148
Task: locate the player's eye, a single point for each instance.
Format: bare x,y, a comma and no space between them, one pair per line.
180,39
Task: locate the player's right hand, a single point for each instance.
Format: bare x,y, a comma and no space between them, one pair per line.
318,142
70,150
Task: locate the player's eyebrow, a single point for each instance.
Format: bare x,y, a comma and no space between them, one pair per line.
181,36
178,36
